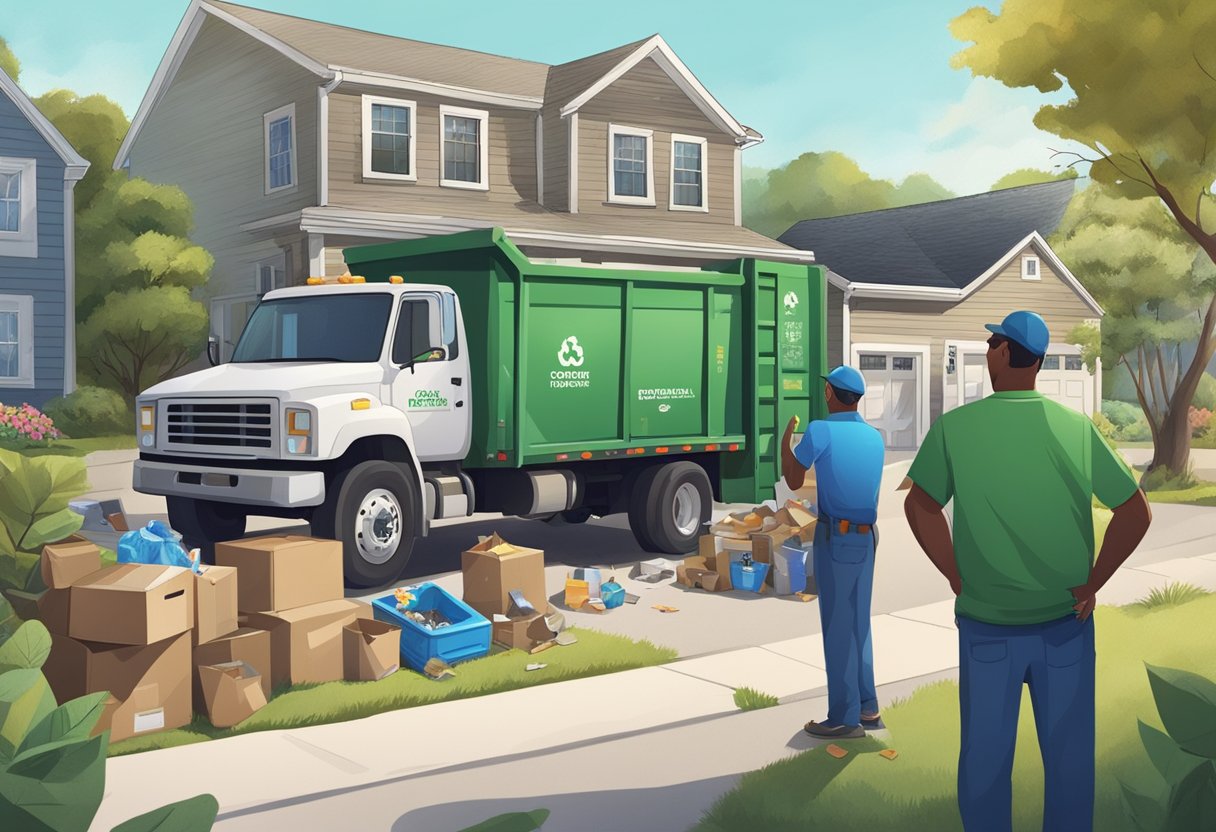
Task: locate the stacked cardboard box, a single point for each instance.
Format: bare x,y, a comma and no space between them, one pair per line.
760,533
494,569
290,587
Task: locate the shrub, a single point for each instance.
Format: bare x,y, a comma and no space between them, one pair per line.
91,411
1105,427
1199,419
34,497
1121,414
747,699
1205,394
1171,595
1163,479
25,426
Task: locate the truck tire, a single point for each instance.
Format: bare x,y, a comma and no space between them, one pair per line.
371,509
570,517
671,503
203,523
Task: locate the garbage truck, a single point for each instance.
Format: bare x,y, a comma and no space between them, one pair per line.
452,375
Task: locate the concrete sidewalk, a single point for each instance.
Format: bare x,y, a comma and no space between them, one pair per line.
311,763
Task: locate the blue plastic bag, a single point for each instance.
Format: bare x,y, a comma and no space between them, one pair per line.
155,543
612,594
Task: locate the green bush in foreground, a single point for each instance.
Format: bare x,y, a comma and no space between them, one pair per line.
91,411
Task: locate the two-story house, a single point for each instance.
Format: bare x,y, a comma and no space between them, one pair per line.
295,139
39,170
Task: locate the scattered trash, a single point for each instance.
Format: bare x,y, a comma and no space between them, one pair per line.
631,598
653,571
554,620
566,639
665,608
836,751
104,516
536,667
430,619
540,648
493,568
519,606
595,605
155,544
613,594
805,596
498,618
438,669
405,598
889,753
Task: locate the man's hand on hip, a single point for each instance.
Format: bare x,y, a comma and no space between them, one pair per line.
1086,599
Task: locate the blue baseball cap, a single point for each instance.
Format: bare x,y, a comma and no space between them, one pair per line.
1026,328
846,378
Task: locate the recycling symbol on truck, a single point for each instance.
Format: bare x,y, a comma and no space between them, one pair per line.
571,354
791,302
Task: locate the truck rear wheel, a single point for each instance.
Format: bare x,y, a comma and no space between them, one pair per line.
203,523
669,507
371,509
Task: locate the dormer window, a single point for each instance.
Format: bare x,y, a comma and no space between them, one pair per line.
630,165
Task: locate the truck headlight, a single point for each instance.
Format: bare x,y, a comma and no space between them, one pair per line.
147,425
299,431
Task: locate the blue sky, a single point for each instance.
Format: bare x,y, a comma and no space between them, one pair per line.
869,78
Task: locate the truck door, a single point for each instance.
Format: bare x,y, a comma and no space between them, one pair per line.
429,353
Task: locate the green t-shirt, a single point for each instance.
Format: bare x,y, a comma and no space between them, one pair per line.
1022,471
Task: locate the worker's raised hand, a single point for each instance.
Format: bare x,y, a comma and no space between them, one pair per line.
791,427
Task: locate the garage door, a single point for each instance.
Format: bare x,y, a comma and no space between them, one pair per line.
892,399
1065,379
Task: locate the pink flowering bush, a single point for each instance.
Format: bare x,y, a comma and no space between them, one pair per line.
25,424
1199,419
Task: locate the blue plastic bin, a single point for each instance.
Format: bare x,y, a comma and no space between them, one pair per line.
750,580
468,637
612,594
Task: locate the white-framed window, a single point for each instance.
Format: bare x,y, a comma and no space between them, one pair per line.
18,207
279,128
463,135
630,165
16,341
689,161
1030,267
389,148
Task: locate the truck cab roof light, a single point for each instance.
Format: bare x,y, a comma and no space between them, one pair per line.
348,278
396,278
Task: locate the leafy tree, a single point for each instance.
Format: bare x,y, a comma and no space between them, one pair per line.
8,61
1143,80
1031,176
826,185
95,126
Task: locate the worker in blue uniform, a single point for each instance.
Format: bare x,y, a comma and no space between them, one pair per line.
847,454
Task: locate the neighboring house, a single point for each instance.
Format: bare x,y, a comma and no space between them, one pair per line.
295,139
910,290
38,174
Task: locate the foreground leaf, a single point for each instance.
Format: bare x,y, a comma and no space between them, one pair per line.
28,648
25,699
1146,811
195,814
513,822
1171,762
52,529
1192,804
72,720
1187,704
55,790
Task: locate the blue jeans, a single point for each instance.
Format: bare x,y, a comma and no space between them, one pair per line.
1056,660
844,576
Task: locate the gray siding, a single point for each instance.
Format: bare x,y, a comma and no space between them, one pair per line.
835,326
42,277
206,136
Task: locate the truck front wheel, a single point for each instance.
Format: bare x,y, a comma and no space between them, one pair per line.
370,508
203,523
669,507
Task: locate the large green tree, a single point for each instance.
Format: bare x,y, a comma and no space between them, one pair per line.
8,61
1143,84
826,184
1031,176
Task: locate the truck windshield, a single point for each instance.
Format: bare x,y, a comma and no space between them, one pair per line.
326,327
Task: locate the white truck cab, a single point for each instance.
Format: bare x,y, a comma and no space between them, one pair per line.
336,396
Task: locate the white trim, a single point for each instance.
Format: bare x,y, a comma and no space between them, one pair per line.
483,148
846,323
69,287
400,82
671,190
287,111
76,164
316,255
738,186
24,241
1096,404
323,92
368,173
289,220
1027,259
961,347
23,305
667,60
540,159
922,350
615,130
572,164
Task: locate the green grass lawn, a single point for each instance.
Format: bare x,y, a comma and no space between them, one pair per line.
917,790
594,654
1203,494
76,447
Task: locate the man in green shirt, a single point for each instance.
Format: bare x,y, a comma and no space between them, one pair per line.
1022,471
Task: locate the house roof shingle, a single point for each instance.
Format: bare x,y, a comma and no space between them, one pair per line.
946,244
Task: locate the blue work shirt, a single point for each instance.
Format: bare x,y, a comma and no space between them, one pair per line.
847,455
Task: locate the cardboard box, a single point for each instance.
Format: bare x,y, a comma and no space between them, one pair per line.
247,644
522,633
232,692
68,561
133,603
215,602
494,567
150,684
306,643
54,610
371,650
283,572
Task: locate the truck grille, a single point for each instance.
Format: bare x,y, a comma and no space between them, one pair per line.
244,425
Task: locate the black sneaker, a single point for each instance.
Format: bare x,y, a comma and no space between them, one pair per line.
827,731
875,724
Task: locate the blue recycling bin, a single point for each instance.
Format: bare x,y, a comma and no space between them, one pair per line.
749,579
468,636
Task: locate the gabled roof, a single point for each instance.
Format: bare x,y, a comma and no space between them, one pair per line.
76,164
943,245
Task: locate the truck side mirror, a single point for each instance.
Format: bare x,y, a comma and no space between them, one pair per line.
429,354
213,350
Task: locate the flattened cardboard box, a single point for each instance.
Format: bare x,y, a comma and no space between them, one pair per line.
149,684
522,633
489,576
232,692
247,644
215,602
132,603
68,561
282,572
371,650
306,643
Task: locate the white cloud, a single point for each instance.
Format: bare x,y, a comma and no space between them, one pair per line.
114,69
